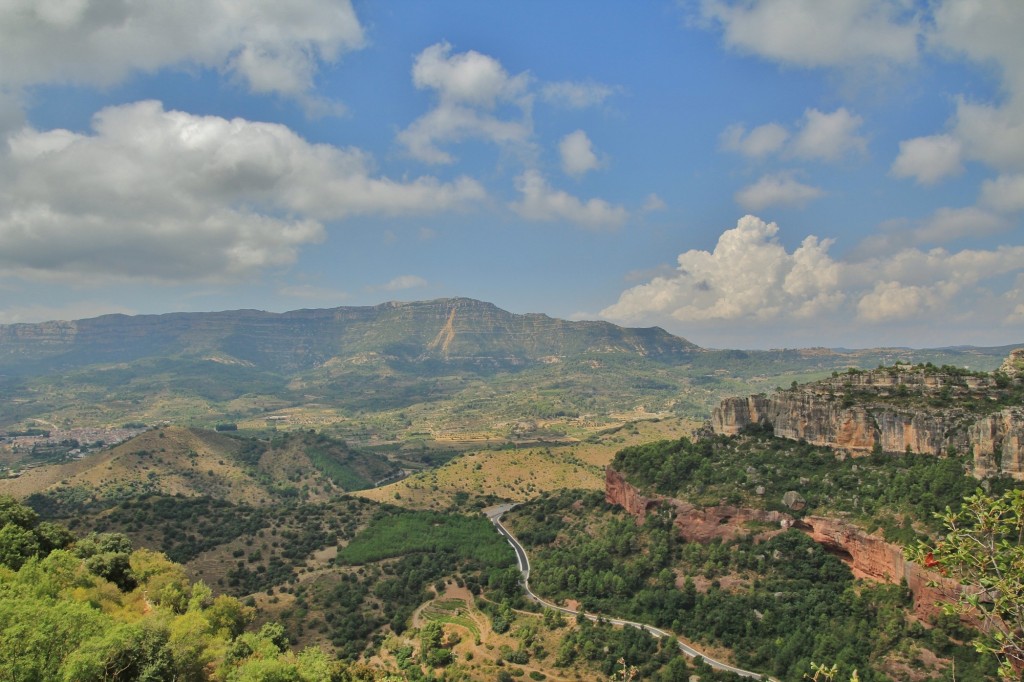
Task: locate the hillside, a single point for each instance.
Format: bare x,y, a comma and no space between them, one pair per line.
182,462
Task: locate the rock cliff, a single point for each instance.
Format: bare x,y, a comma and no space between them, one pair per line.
897,410
868,556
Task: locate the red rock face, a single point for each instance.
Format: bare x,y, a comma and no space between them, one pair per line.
868,556
872,558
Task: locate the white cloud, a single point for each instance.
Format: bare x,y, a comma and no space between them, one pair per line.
993,135
1005,193
986,31
894,301
542,203
571,95
811,33
819,136
828,137
653,203
943,226
928,159
988,34
760,142
577,152
750,276
167,195
466,78
470,87
270,46
404,282
776,189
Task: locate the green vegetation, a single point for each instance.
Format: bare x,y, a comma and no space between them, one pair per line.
399,533
778,605
898,493
983,549
101,611
926,386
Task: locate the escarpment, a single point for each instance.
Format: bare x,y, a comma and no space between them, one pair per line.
868,555
900,409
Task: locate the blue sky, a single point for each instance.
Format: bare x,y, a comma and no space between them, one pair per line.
779,173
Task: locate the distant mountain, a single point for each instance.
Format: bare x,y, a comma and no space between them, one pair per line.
393,372
457,330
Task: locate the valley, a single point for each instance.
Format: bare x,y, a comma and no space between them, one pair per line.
329,470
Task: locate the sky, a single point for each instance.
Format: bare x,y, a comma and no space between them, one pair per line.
742,173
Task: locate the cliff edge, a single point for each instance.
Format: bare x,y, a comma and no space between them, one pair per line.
918,409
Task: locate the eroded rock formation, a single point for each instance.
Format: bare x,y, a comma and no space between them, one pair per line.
871,557
894,410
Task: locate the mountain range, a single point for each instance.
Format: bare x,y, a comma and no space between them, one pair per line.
450,365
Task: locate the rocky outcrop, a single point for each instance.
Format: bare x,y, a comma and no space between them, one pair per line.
695,524
618,491
894,410
1013,365
868,556
872,558
997,442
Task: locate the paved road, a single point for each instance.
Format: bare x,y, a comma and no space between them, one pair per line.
495,514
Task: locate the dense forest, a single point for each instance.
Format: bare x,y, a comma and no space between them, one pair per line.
900,493
778,604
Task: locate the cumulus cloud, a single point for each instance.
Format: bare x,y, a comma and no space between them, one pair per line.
828,137
577,152
542,203
749,275
776,189
465,78
810,33
819,136
470,87
991,133
757,143
270,46
928,159
1004,193
572,95
167,195
988,32
941,227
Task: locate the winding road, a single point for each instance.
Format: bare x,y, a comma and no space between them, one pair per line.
495,514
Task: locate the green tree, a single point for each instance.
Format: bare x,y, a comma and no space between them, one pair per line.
983,549
17,545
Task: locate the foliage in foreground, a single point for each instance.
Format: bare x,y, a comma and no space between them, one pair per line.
983,548
96,609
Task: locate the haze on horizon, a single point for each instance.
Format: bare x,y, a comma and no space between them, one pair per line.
774,173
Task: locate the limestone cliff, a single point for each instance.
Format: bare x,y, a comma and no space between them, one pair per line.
868,556
897,409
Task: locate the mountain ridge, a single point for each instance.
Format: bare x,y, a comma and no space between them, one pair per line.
441,329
